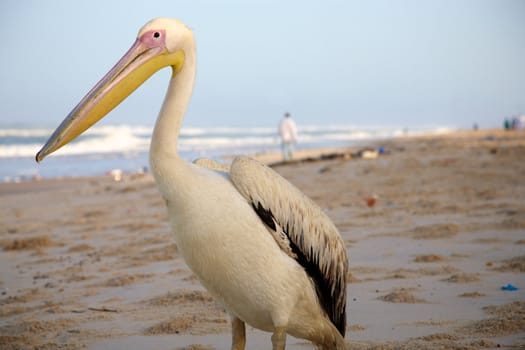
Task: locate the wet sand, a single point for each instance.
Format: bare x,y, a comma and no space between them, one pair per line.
434,228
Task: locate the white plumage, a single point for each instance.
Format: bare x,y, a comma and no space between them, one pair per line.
261,247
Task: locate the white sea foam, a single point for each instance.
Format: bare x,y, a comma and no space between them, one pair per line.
25,132
103,139
127,139
12,151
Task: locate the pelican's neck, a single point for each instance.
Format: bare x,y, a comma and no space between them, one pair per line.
164,141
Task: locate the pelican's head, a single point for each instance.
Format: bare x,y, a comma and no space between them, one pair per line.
160,43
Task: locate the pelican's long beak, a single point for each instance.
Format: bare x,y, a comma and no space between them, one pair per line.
142,60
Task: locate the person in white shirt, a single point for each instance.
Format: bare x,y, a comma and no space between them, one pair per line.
288,133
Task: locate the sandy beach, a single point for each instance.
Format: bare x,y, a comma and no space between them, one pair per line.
434,228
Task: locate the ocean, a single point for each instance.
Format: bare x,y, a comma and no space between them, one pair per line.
125,147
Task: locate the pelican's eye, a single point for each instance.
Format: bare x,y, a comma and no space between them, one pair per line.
156,35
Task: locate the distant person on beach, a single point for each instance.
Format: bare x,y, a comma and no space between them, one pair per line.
506,124
288,133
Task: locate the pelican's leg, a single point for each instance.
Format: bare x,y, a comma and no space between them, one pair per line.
279,338
238,334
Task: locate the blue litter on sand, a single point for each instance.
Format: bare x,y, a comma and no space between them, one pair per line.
509,287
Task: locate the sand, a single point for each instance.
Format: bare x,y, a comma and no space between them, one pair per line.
434,228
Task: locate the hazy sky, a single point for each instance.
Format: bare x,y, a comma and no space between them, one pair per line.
383,63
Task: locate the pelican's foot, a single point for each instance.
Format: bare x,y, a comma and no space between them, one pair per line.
279,338
238,334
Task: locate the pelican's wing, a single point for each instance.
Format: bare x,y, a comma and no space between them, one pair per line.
301,229
210,164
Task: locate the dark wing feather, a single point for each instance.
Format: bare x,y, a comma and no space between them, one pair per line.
310,236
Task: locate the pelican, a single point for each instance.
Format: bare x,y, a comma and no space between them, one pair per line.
263,249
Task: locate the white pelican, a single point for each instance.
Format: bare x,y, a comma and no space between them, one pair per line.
263,249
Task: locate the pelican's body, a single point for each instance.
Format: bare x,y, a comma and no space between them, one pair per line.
228,247
261,248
